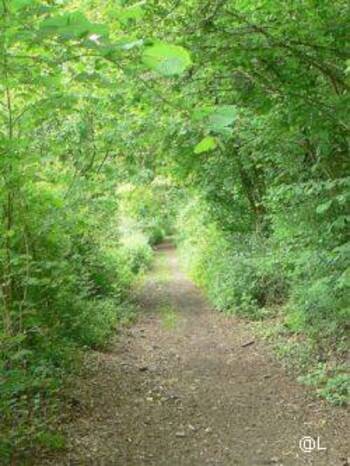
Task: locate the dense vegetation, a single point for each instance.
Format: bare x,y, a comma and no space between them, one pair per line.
116,118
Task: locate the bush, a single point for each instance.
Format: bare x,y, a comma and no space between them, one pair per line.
331,384
137,252
264,275
239,275
68,295
150,207
254,275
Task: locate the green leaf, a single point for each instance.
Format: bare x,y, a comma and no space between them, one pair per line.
207,144
167,59
322,208
341,222
347,70
128,44
135,12
217,118
222,117
20,355
71,25
345,278
19,4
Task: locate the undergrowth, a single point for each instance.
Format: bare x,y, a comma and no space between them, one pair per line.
267,279
76,292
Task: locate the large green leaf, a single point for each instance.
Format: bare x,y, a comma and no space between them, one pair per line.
207,144
218,118
71,26
222,117
167,59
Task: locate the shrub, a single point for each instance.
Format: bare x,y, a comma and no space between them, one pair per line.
137,252
239,275
270,274
68,295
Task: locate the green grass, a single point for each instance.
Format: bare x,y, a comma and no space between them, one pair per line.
329,379
169,317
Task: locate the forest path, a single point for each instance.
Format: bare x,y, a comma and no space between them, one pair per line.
182,387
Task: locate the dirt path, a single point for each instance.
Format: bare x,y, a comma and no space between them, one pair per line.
178,388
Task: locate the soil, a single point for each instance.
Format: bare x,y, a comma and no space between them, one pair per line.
187,386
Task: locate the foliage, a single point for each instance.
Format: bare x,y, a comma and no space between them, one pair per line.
65,266
167,59
150,208
270,235
74,295
240,275
333,385
116,115
206,144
